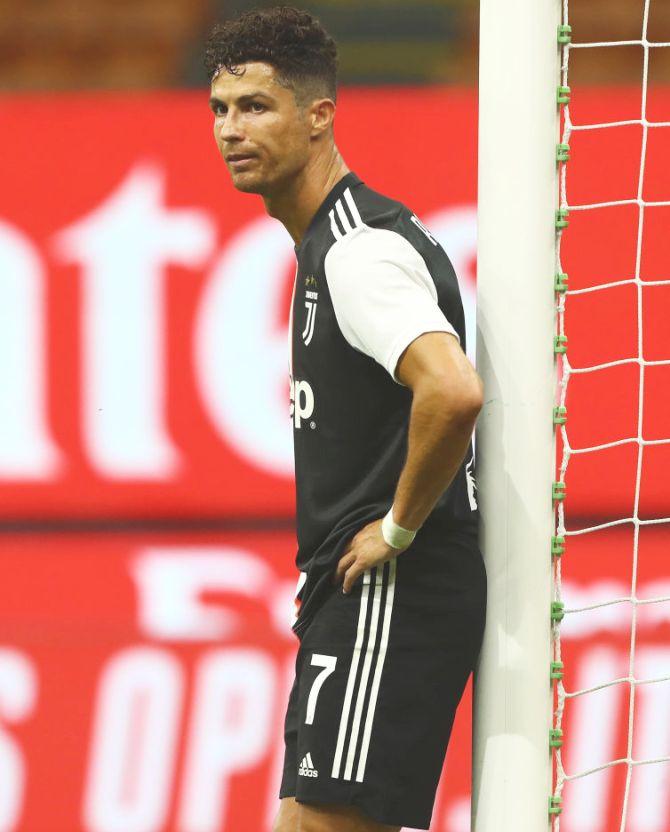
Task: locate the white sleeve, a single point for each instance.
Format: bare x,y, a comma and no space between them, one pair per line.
382,294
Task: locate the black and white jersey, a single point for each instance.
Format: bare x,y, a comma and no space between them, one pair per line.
370,279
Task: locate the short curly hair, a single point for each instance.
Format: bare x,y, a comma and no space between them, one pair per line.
293,41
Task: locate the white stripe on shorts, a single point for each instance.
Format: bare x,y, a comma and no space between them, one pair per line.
382,578
362,687
388,607
352,675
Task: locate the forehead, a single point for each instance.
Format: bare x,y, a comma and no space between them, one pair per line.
255,77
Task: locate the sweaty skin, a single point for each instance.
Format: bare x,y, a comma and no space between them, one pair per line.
293,162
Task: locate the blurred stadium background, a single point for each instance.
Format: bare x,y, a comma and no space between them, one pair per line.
146,494
49,45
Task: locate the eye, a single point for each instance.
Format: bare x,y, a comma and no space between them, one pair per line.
257,107
219,110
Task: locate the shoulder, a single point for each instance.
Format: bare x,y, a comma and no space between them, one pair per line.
367,227
365,247
361,206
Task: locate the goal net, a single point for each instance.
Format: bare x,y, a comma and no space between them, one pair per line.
611,728
571,725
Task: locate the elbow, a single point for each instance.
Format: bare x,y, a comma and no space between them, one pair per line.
458,405
468,403
467,399
475,396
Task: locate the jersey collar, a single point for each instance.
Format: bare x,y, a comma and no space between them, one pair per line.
348,181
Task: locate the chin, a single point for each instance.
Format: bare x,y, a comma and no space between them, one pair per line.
249,184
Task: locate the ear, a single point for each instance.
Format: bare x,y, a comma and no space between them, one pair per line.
321,116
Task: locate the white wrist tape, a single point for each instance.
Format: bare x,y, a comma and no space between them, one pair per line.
394,534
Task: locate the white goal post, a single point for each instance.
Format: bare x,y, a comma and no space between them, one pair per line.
517,198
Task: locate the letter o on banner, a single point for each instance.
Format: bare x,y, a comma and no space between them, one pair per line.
133,752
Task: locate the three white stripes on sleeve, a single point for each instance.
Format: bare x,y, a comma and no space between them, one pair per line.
341,222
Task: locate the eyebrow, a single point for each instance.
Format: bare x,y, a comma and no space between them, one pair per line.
243,99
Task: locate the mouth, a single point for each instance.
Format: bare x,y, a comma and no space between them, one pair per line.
239,160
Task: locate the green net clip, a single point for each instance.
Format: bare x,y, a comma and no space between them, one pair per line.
564,33
560,344
555,807
557,611
560,282
556,672
555,738
557,546
563,95
562,152
560,415
562,215
558,490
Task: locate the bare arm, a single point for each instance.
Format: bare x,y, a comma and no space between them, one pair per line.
447,396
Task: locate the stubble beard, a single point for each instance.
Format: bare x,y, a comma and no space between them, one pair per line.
251,182
250,186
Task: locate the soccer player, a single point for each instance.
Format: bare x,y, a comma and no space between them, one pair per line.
392,590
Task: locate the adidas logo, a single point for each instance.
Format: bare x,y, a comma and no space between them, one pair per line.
307,767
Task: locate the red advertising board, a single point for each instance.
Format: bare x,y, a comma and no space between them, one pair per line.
143,682
147,357
143,377
143,361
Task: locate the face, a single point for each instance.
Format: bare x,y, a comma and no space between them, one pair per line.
262,134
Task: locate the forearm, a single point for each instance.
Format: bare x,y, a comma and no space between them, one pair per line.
439,434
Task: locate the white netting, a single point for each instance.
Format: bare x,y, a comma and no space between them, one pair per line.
635,603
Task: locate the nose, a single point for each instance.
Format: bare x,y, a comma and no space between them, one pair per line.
230,129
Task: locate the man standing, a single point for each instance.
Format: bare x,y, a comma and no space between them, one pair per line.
392,591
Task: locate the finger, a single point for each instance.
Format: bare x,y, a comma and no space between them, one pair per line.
345,562
350,577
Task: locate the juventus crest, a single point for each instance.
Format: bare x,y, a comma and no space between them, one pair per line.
311,298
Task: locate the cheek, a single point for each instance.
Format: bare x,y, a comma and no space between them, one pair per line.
292,145
287,136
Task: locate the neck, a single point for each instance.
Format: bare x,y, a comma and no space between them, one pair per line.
295,205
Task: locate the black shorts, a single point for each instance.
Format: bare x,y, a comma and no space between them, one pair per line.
379,673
